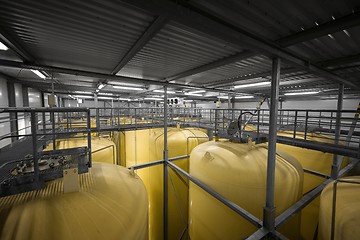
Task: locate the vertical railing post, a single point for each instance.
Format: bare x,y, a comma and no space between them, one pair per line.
295,125
34,146
269,209
52,119
97,118
306,124
88,125
165,156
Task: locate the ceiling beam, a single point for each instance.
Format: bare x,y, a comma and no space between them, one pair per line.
149,33
324,29
15,64
219,29
340,61
224,61
15,46
227,82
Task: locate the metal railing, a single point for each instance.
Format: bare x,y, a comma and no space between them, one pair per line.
40,134
294,124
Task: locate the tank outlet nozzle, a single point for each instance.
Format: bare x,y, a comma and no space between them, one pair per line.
250,143
132,172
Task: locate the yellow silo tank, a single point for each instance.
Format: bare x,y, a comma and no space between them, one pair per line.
347,218
118,137
102,149
111,204
238,172
313,160
143,146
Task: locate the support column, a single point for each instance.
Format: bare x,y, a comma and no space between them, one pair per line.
334,169
269,209
13,116
229,101
165,155
96,100
25,93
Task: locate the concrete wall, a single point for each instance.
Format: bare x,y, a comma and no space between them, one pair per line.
34,97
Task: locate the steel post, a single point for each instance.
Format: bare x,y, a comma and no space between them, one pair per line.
52,119
269,209
88,125
165,156
34,146
334,170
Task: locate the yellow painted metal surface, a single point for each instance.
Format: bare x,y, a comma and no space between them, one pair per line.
238,172
111,205
312,160
118,137
103,150
347,218
77,123
144,146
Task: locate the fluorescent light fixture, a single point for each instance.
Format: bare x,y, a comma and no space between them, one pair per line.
128,88
301,93
38,73
116,83
105,98
82,92
124,99
101,86
198,91
252,85
71,96
193,94
106,94
243,97
82,96
3,47
223,97
162,91
153,99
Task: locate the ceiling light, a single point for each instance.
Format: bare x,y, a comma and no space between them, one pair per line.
153,99
162,91
38,73
252,85
71,96
243,97
106,94
116,83
301,93
198,91
105,98
223,97
193,94
82,96
128,88
124,99
101,86
97,90
3,47
82,92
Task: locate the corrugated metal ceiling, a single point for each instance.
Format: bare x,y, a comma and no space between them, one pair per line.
87,35
95,36
174,50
